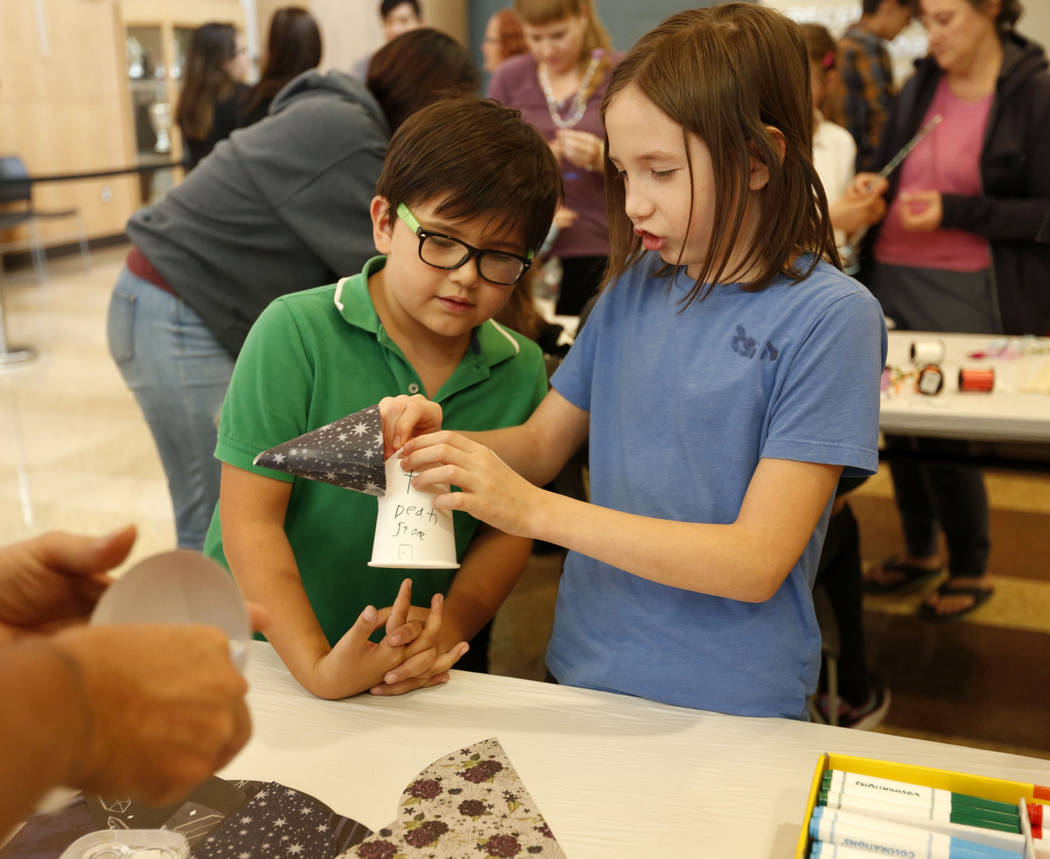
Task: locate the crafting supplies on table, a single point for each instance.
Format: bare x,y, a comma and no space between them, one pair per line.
862,807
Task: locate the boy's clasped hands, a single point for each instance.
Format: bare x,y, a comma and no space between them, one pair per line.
408,657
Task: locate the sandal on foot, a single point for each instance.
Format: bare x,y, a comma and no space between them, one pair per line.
980,596
911,576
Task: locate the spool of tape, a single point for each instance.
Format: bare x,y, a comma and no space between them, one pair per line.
977,379
930,381
927,351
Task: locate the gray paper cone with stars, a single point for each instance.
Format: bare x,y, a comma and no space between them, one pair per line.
347,453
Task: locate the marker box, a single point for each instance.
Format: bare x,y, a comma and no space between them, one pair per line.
998,790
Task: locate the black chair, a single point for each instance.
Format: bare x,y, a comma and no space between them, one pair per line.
17,187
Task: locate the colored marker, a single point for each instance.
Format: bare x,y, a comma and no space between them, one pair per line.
940,812
849,829
1035,813
837,781
958,827
825,850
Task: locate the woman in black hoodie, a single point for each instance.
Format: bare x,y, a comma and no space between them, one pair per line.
965,246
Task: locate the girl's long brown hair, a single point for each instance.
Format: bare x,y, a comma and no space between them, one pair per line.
293,46
727,74
204,79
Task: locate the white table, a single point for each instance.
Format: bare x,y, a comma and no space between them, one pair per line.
614,775
1007,414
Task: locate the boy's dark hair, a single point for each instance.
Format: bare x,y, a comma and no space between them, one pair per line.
388,6
417,67
480,159
727,74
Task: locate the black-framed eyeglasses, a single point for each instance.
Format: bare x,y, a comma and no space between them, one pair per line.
499,267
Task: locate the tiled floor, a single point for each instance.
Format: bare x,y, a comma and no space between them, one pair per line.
75,454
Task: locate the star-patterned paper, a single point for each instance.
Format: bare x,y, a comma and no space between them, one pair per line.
472,803
347,453
469,803
282,822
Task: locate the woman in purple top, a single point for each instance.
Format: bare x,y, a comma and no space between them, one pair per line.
965,246
558,87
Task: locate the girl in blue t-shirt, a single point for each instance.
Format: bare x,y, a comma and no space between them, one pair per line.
726,377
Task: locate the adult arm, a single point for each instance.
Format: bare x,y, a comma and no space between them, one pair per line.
147,711
1025,219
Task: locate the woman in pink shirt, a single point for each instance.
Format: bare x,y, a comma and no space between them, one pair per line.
965,246
558,87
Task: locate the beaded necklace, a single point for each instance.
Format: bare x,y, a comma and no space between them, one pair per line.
579,98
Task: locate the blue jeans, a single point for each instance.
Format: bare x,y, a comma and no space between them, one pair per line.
178,373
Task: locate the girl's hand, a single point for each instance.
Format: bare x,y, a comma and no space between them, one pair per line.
404,417
581,148
922,211
490,490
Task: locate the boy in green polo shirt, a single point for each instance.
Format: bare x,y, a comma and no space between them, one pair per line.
466,196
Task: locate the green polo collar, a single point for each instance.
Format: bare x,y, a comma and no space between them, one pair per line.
490,344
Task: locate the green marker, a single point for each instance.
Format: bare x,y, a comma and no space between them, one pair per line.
960,814
916,802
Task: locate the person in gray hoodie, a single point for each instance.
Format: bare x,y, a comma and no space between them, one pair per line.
280,206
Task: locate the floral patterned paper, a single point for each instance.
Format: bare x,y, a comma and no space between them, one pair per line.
470,803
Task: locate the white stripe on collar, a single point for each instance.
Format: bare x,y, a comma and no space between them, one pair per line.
339,293
506,333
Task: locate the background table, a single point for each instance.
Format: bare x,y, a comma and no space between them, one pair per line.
613,775
1004,415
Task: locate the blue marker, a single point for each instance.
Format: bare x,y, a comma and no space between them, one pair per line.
851,829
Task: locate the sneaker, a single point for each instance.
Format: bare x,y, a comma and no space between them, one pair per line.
863,717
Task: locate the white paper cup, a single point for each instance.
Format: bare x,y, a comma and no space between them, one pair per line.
411,533
179,587
128,843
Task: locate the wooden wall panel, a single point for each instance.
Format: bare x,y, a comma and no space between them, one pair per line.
61,108
64,99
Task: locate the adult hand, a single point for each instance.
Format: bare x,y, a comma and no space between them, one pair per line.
404,416
921,211
581,148
490,490
162,707
56,578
